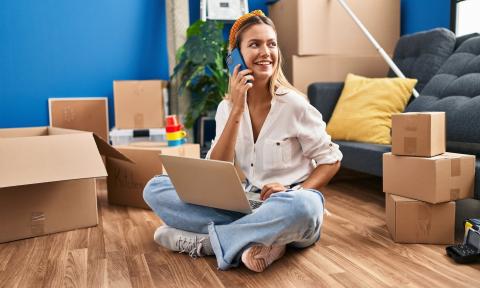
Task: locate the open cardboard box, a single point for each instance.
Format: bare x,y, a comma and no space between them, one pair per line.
47,180
126,180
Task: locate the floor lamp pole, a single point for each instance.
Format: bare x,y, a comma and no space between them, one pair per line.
375,44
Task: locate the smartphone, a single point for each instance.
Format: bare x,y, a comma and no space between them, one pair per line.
233,59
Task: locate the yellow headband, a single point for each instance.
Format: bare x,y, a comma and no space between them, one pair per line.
238,23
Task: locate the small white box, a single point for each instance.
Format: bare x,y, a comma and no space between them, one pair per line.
127,136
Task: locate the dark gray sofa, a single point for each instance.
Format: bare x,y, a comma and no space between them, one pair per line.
448,70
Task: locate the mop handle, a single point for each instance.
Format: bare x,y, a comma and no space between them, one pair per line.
375,44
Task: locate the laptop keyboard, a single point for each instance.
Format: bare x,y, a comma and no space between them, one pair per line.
255,204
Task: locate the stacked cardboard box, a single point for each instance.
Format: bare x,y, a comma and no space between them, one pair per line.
139,104
422,181
321,43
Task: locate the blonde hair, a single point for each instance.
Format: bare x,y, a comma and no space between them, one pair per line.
278,79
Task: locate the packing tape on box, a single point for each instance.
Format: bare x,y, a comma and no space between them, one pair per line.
410,124
410,145
424,221
456,168
138,120
139,87
38,223
410,142
455,171
454,193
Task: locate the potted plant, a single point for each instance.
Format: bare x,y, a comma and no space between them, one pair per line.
201,69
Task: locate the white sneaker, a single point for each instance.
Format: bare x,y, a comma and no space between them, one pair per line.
258,257
195,244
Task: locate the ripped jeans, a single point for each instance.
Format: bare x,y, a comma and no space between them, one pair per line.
291,217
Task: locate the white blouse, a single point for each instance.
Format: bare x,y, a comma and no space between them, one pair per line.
292,135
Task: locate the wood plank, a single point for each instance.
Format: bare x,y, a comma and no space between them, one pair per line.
113,236
76,268
37,264
159,269
301,272
57,260
6,253
97,275
355,250
78,239
357,272
117,270
138,270
188,272
96,243
133,244
16,268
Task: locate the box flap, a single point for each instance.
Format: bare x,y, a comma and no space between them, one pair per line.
41,159
62,131
23,132
108,151
397,198
104,148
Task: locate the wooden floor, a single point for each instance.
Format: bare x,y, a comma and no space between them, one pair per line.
355,251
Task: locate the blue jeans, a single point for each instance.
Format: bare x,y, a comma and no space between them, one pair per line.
292,217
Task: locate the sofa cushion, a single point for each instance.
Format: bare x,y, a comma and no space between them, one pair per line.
464,38
455,89
363,157
420,55
324,97
476,192
364,111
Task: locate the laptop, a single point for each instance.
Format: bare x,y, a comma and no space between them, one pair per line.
209,183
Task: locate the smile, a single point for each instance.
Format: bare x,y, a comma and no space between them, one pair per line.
263,63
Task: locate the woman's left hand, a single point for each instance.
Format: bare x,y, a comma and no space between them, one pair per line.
269,189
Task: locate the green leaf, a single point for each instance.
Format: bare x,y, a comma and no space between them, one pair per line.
201,68
194,29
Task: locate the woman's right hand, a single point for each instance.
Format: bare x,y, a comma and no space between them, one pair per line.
239,87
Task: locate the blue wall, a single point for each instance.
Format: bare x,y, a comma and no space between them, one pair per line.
418,15
54,48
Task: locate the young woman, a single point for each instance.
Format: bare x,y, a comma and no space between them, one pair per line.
278,139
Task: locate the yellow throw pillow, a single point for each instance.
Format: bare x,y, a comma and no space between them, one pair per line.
364,111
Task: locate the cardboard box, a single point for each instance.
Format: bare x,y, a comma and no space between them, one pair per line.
305,70
412,221
85,114
441,178
47,180
316,27
139,104
126,181
418,134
